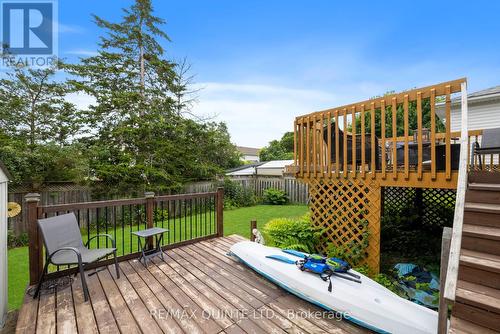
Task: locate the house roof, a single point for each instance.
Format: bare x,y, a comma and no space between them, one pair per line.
242,172
480,95
248,150
5,171
276,164
255,164
487,91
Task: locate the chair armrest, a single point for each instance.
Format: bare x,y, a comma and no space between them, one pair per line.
113,243
78,254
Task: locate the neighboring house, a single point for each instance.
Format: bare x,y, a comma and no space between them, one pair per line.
269,168
484,110
249,153
273,168
4,179
245,170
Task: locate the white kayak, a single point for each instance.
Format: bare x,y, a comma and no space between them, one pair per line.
367,304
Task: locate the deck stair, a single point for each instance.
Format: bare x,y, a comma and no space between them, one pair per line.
477,302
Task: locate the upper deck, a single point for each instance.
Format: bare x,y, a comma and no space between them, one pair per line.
399,141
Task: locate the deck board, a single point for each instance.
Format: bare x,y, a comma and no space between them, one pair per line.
66,320
175,295
85,319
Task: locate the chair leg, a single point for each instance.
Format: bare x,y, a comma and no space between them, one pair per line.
40,281
84,282
116,265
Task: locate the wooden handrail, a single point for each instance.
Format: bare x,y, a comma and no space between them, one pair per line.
456,239
440,89
91,205
442,135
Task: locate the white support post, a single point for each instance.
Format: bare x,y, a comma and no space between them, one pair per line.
458,219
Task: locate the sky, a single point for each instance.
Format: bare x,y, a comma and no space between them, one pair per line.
260,63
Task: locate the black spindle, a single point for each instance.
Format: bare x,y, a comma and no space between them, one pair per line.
88,224
168,221
130,224
123,230
106,223
191,217
114,222
97,225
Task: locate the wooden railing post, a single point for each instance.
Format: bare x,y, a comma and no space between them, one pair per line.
35,239
220,211
150,205
253,225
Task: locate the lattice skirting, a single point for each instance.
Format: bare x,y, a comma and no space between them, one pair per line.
435,206
344,209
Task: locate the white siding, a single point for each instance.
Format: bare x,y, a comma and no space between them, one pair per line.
481,116
270,171
3,248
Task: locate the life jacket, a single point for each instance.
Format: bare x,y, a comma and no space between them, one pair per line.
327,267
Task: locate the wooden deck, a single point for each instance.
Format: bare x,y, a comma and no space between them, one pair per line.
197,289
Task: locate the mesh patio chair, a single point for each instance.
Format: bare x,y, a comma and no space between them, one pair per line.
490,144
64,246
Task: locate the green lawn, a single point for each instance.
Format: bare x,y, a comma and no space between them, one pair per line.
236,221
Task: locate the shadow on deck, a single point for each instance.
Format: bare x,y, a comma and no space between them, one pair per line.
196,289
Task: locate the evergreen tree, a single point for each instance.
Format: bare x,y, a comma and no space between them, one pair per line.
142,140
37,124
129,76
33,107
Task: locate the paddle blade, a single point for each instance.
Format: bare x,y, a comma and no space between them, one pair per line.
295,253
281,258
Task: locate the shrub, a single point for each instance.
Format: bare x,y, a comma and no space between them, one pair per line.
17,241
404,232
275,196
298,233
161,215
355,250
235,195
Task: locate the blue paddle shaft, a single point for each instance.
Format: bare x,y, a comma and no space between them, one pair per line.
295,253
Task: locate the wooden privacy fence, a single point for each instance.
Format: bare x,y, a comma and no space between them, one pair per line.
297,191
53,193
348,154
189,218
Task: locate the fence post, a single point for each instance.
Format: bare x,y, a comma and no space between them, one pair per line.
150,204
220,211
35,240
253,225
